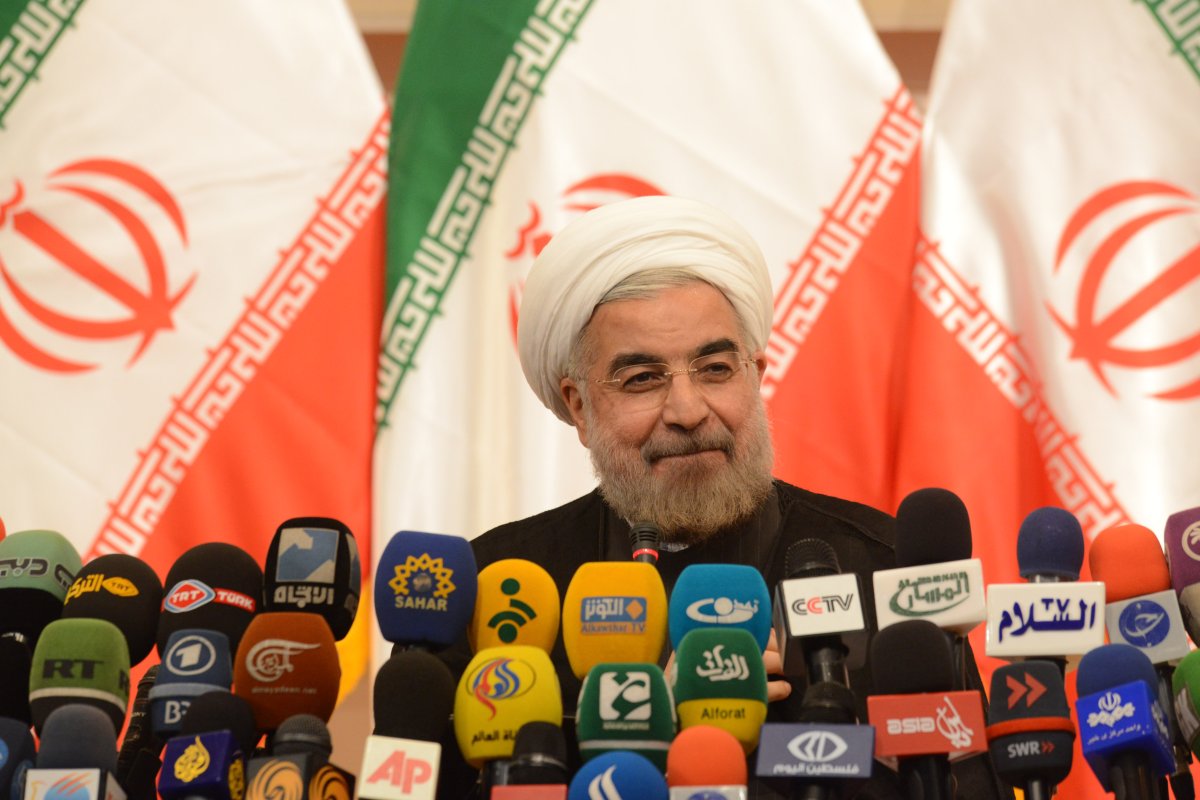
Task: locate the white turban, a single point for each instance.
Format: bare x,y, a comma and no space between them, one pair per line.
608,244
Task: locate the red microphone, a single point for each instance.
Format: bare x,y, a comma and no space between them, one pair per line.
708,761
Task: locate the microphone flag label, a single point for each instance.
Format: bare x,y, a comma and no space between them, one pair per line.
399,769
1027,620
306,569
949,594
1124,718
422,582
949,723
1152,623
613,614
787,750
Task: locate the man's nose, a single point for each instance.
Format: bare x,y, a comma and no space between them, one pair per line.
685,406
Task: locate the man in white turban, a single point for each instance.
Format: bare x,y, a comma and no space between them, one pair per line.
644,325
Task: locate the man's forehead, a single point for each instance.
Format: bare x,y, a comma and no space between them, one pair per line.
688,322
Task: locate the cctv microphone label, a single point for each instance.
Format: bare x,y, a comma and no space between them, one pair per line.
826,605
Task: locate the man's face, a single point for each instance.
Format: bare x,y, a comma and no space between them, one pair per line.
700,458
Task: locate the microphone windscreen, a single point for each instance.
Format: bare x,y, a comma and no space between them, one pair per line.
1182,539
215,586
543,741
932,526
302,734
196,662
122,590
502,689
1050,542
719,679
16,747
217,711
618,774
78,737
613,611
16,661
1185,687
811,558
1112,665
425,588
36,569
313,566
1026,690
287,664
704,755
80,661
720,596
626,707
918,658
517,603
1130,562
413,696
1030,731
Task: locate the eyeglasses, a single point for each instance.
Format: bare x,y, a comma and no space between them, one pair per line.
646,385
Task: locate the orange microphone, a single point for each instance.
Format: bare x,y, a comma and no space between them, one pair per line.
1130,561
287,664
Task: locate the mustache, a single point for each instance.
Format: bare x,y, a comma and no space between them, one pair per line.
687,444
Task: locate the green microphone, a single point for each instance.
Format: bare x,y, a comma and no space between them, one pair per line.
80,661
625,706
718,679
1185,686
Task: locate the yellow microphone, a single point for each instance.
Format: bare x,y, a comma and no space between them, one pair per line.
502,689
614,611
516,603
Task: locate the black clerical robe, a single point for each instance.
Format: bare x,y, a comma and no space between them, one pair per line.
587,529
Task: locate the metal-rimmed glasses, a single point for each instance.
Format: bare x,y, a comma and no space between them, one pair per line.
644,386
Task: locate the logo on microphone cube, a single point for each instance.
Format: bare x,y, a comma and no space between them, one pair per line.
825,605
1111,710
64,784
1152,623
399,769
815,751
625,696
613,614
924,724
191,655
173,711
1144,623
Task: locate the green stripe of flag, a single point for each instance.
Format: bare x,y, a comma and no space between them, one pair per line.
1181,23
471,75
31,30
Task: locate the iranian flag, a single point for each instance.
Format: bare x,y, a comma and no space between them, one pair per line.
1055,358
191,258
787,115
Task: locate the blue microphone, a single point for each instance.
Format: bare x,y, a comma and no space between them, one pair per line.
1123,728
1050,546
196,661
425,588
618,774
719,596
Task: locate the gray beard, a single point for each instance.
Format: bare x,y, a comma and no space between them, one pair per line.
695,502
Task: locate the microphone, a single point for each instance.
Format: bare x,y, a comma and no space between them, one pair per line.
298,766
1053,616
17,754
313,566
613,612
1122,726
214,586
921,723
1030,734
718,679
719,596
123,590
516,602
203,765
818,616
1182,539
1185,687
1143,611
217,711
137,760
196,662
80,661
78,756
538,767
618,774
425,587
287,664
816,753
625,706
36,569
707,762
501,689
16,659
413,697
644,539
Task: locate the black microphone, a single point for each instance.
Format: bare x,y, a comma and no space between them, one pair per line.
313,566
16,659
220,710
539,759
300,750
644,538
1030,733
138,759
123,590
213,586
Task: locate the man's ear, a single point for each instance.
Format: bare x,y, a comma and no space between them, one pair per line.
573,399
760,361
